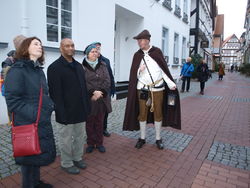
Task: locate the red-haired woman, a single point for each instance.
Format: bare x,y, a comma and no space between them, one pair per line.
23,83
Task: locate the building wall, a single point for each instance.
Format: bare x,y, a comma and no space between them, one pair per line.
246,50
205,24
95,21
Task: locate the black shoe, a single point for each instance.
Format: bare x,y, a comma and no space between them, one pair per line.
71,170
106,133
187,90
41,184
182,91
159,144
140,143
101,149
90,149
80,164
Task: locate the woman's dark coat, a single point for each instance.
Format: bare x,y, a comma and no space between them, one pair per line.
67,88
98,79
203,72
171,115
23,83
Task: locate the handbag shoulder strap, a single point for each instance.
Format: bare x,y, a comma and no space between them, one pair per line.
39,108
187,69
148,70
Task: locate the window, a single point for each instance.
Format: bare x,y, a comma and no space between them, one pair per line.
185,11
167,4
184,49
165,41
52,20
66,17
177,11
176,44
176,48
59,19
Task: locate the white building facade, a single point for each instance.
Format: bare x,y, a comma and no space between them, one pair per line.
231,53
114,23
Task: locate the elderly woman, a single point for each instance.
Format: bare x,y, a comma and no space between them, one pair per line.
98,85
24,83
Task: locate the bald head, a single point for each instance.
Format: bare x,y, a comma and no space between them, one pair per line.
65,41
67,48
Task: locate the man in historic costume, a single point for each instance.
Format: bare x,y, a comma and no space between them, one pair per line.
150,87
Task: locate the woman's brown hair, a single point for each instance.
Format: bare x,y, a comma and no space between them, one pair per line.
23,50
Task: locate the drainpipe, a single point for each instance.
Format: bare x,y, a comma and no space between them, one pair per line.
24,18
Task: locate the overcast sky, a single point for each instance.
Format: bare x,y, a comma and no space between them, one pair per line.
234,12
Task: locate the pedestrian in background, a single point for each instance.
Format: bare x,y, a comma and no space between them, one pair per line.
186,74
221,71
67,88
236,68
232,68
7,63
112,86
98,84
23,84
202,70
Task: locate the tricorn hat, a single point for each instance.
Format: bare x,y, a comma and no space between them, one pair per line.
143,35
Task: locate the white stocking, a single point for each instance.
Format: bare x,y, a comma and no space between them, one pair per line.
143,129
158,125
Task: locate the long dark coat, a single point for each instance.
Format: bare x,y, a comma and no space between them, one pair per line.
202,71
98,79
22,85
68,90
171,115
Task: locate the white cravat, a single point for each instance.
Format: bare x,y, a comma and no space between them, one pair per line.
156,73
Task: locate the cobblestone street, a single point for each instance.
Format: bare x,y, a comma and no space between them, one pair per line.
211,150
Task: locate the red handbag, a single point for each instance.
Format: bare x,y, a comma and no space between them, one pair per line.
25,138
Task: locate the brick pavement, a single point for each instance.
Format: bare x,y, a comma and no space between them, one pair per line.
219,117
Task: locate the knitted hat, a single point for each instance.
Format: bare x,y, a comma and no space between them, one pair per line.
89,48
97,43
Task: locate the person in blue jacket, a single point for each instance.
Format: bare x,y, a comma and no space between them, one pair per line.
186,73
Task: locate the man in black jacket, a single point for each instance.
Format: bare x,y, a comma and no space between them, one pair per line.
67,88
112,88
